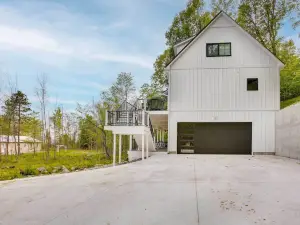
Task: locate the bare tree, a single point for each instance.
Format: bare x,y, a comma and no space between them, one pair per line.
41,92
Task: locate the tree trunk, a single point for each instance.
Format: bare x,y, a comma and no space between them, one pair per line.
104,143
19,128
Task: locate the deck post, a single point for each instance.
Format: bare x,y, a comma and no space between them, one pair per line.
120,148
143,117
145,104
115,118
127,118
106,117
143,146
130,142
114,153
133,118
147,146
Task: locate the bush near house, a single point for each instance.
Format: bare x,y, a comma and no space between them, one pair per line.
30,164
289,102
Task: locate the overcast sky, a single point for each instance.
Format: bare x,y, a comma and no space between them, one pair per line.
83,45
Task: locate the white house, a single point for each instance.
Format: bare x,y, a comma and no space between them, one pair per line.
224,91
8,144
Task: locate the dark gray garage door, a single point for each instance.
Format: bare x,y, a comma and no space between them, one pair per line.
214,138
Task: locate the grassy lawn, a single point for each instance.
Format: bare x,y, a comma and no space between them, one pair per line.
28,164
289,102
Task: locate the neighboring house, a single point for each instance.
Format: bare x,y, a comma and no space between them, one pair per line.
27,144
224,91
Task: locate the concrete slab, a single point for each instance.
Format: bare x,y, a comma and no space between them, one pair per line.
165,189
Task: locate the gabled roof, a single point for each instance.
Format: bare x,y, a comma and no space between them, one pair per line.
193,39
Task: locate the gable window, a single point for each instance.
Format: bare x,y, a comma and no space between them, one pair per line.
218,49
252,84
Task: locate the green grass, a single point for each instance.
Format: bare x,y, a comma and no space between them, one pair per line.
289,102
27,164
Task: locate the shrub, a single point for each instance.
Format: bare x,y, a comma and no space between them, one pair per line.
28,171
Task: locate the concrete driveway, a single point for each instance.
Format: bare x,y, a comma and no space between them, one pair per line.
165,189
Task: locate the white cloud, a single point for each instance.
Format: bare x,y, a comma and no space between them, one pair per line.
30,39
39,37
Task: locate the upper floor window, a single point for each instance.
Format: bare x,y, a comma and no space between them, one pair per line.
252,84
218,49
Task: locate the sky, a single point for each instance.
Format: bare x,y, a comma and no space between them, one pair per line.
83,45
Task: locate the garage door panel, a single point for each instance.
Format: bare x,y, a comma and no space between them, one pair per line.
217,138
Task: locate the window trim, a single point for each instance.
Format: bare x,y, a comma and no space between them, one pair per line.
253,78
207,44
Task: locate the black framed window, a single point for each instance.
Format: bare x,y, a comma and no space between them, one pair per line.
218,49
252,84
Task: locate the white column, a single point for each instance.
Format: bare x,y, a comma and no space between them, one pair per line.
127,118
157,133
143,146
143,118
106,117
145,104
114,153
133,119
120,147
147,146
114,115
163,136
130,142
160,135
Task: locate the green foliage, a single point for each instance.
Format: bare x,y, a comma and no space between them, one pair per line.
88,132
16,109
28,171
160,78
228,6
148,91
290,75
186,24
284,104
27,164
121,90
57,120
263,20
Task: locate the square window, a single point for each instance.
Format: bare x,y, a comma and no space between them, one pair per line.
252,84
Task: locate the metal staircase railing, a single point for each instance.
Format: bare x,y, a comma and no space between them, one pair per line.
127,118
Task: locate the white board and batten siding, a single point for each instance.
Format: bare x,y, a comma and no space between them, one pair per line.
214,89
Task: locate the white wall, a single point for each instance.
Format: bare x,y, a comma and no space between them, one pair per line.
288,132
205,87
223,89
198,82
263,126
245,52
24,148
